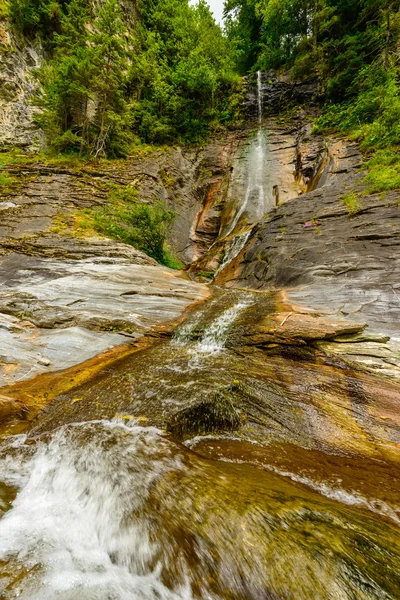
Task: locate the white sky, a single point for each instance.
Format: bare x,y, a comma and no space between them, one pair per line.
217,6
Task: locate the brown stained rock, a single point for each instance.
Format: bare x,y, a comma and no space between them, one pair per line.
10,407
306,327
79,308
182,180
325,257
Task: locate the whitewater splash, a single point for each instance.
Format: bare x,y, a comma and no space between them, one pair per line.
216,335
76,521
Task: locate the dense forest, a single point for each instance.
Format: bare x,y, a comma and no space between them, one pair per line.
174,75
169,76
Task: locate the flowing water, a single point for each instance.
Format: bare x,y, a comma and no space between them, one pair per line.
252,182
234,249
174,476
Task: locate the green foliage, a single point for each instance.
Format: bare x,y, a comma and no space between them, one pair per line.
36,16
352,203
130,221
332,39
171,79
184,75
85,110
373,115
384,171
243,25
351,46
4,9
6,180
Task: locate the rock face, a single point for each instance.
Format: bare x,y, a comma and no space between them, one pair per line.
269,166
56,314
66,298
333,257
18,60
41,204
278,93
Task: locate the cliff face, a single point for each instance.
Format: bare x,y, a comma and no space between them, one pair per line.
18,60
298,237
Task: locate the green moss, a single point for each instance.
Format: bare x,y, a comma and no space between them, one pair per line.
206,274
6,180
171,261
4,9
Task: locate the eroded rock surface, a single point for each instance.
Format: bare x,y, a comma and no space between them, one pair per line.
55,314
333,257
18,60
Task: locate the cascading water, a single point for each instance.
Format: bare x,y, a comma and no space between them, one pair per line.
236,246
222,495
96,506
216,334
259,97
252,182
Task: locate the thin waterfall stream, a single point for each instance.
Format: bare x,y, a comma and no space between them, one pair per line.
254,202
257,195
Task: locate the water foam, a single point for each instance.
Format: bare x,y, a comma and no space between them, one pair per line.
76,520
216,335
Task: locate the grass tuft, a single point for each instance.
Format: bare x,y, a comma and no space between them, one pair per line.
352,202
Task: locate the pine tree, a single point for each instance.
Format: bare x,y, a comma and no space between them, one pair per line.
110,63
66,81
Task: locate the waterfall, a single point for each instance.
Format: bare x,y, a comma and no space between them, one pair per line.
236,246
259,97
255,198
212,334
216,335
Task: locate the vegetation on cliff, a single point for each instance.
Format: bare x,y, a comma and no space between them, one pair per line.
160,74
350,46
136,223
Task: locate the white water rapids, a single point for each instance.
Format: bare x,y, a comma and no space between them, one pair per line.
215,334
73,522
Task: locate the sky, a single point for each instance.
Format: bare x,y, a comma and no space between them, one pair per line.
217,6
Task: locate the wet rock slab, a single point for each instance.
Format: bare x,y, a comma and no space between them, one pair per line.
56,314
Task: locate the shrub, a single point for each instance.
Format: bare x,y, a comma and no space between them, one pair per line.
132,222
384,171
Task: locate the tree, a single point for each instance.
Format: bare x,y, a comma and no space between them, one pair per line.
66,81
109,51
170,78
185,74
